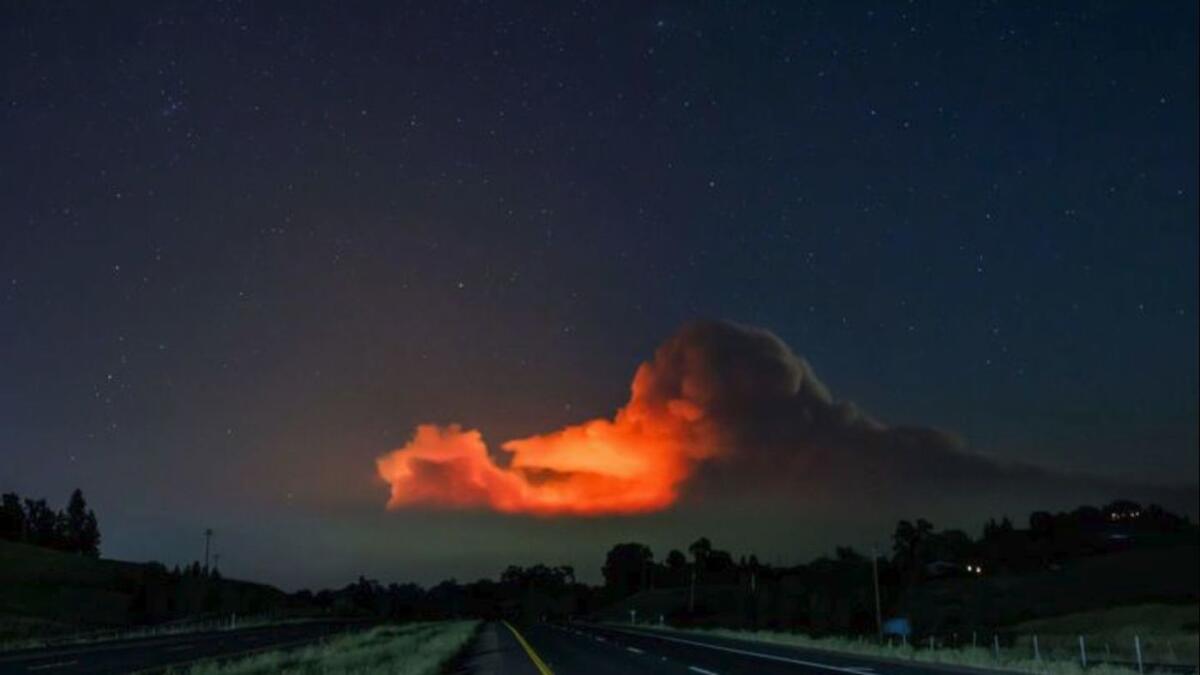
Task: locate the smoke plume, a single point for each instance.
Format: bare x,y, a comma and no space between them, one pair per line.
720,409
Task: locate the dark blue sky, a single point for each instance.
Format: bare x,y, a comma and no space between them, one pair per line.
245,248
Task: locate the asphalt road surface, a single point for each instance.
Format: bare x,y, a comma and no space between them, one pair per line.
583,649
497,650
155,654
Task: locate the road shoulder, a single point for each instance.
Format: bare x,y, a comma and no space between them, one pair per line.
496,651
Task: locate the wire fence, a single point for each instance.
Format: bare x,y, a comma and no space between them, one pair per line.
1149,653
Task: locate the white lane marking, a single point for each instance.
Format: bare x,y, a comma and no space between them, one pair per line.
743,652
635,650
57,664
698,669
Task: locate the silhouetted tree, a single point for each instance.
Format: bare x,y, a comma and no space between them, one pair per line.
81,533
625,568
719,562
955,546
76,515
700,550
43,524
538,576
12,518
848,554
1041,525
365,593
904,544
908,544
89,537
676,561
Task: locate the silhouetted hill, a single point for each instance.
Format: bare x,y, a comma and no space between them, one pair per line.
1166,574
42,589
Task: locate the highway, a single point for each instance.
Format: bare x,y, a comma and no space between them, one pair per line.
155,654
499,649
586,649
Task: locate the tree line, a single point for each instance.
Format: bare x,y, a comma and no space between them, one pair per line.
702,584
32,521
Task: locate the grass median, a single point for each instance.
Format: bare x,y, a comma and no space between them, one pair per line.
405,649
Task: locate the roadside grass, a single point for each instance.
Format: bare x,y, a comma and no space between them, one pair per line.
1167,633
20,631
59,635
1014,659
404,649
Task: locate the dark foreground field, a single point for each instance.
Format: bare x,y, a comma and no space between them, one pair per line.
155,654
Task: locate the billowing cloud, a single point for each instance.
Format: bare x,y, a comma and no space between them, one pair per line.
635,462
721,408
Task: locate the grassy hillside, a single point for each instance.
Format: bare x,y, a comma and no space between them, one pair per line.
1167,633
45,591
1120,621
1085,584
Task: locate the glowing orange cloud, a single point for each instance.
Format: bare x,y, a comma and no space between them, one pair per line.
633,463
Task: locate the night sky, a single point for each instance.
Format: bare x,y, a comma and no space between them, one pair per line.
246,248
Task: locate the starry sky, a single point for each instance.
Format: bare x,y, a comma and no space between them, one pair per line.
245,248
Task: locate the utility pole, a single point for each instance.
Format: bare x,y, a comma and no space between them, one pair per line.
875,578
208,533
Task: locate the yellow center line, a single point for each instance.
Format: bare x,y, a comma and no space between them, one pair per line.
533,656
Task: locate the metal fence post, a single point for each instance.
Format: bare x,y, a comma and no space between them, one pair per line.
1037,654
1082,653
996,646
1137,649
